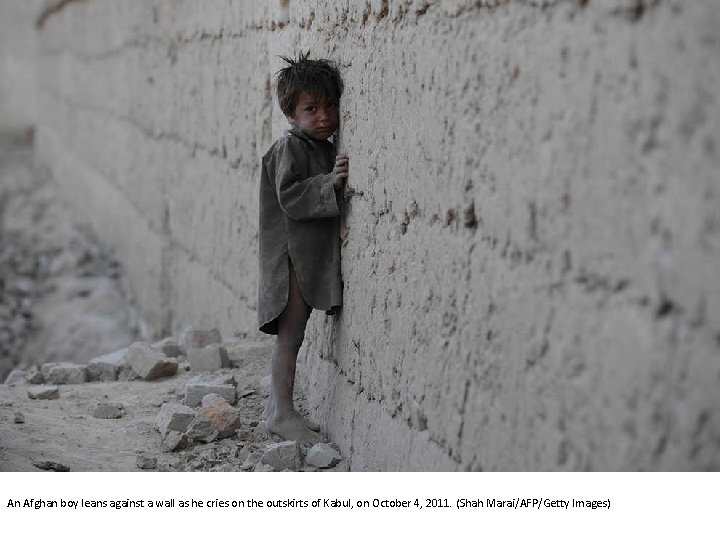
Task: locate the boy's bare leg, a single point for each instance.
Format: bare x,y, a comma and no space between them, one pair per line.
270,407
282,419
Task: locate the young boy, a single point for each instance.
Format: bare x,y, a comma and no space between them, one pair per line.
299,228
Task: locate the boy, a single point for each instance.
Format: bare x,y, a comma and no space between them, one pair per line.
299,237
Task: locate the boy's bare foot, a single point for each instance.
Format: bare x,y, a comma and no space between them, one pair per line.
292,428
270,410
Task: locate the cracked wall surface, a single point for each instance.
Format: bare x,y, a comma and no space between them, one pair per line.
531,259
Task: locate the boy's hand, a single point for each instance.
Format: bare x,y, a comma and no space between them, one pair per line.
341,171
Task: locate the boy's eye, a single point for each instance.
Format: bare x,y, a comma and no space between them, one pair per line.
310,109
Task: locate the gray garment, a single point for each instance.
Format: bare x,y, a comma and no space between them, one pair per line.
299,221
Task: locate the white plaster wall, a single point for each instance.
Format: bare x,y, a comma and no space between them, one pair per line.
18,58
531,262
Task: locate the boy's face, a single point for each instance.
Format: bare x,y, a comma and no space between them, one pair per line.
315,116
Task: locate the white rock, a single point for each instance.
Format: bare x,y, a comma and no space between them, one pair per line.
173,417
16,376
198,387
282,455
322,456
107,366
43,392
148,363
64,373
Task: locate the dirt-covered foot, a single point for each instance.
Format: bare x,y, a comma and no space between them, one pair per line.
270,409
292,428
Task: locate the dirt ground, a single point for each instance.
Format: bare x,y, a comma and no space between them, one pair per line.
63,298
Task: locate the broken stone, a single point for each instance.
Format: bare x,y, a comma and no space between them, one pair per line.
148,363
251,460
201,429
223,417
263,467
107,366
322,456
109,410
210,358
64,373
282,455
35,377
265,382
196,338
196,388
173,417
43,392
16,376
19,418
169,347
146,462
343,466
174,440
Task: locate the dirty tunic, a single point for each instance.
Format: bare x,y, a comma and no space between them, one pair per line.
299,222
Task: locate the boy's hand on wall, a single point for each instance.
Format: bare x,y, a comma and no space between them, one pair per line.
341,171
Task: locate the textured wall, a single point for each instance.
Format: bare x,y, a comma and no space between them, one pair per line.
531,262
18,58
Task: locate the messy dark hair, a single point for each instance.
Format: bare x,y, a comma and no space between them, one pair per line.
316,77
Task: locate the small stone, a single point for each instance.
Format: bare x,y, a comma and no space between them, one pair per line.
148,363
265,382
35,377
64,373
43,392
108,366
109,410
196,338
174,440
19,418
210,399
201,429
169,347
210,358
282,455
173,417
263,467
16,376
223,417
146,462
251,460
343,466
196,388
322,456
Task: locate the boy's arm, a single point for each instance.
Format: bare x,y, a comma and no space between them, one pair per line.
303,198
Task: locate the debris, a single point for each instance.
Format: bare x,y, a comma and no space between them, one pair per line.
173,417
223,417
252,459
282,455
242,353
19,418
35,377
51,466
210,358
201,429
169,347
198,387
64,373
107,366
322,456
148,363
43,392
196,338
174,440
16,376
146,462
109,410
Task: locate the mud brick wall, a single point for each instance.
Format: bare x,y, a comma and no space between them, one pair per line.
532,258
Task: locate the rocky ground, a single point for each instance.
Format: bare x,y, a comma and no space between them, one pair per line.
78,396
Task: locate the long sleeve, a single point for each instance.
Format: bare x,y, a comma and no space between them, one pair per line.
303,198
